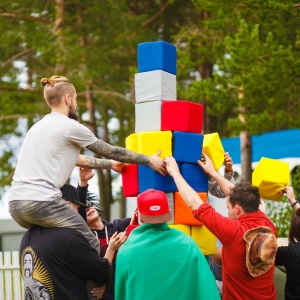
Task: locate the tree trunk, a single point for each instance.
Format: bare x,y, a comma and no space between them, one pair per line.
106,193
104,176
205,70
60,67
246,145
246,156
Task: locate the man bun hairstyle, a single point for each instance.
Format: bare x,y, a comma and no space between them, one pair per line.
54,79
55,88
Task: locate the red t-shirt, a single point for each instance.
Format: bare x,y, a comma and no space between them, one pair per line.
237,282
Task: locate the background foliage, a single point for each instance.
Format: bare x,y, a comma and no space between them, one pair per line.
239,58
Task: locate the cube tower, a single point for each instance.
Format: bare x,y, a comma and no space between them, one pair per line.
173,126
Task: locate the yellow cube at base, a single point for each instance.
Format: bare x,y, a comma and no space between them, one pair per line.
271,176
213,148
206,241
149,143
184,228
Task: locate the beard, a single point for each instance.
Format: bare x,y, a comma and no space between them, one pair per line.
73,116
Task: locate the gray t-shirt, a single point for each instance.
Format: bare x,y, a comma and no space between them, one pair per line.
48,156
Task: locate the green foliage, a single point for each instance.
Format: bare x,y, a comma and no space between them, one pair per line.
253,46
280,212
233,56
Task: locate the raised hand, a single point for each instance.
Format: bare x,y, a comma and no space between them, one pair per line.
228,163
85,175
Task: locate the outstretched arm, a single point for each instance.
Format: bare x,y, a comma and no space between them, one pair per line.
209,168
190,197
90,162
126,156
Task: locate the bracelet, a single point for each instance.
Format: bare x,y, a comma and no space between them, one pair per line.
293,205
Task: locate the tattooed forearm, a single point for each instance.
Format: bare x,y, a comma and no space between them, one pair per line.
90,162
118,153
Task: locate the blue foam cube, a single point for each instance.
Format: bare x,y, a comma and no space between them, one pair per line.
187,146
157,56
150,179
194,176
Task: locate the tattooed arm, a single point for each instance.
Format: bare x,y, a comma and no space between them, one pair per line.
90,162
127,156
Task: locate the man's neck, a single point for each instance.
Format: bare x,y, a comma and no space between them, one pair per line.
96,225
60,109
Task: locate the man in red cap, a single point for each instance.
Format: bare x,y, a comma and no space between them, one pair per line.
158,262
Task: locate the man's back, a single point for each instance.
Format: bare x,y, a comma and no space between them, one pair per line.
51,143
237,282
58,262
157,262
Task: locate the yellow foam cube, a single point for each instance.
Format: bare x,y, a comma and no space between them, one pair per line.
206,241
213,148
271,176
148,143
131,142
184,228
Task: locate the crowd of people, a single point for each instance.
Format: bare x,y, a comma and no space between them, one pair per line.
71,252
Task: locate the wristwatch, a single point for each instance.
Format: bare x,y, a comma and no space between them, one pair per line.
293,205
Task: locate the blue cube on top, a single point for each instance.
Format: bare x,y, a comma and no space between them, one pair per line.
187,146
150,179
157,56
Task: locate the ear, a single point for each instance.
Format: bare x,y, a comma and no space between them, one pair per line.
238,210
67,99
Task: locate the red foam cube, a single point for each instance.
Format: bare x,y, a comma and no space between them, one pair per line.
130,180
182,115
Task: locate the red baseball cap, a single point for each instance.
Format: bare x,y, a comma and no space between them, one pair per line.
153,207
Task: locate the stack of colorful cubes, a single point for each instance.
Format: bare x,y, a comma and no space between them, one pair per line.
175,128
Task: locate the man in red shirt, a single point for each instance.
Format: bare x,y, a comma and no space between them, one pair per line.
248,273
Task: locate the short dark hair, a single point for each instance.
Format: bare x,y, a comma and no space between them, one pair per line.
294,233
245,195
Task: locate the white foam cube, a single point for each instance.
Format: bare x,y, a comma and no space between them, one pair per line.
155,85
148,116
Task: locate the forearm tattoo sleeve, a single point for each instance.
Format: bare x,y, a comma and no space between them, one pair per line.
91,162
118,153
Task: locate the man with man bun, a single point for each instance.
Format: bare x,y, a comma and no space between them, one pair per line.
48,155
